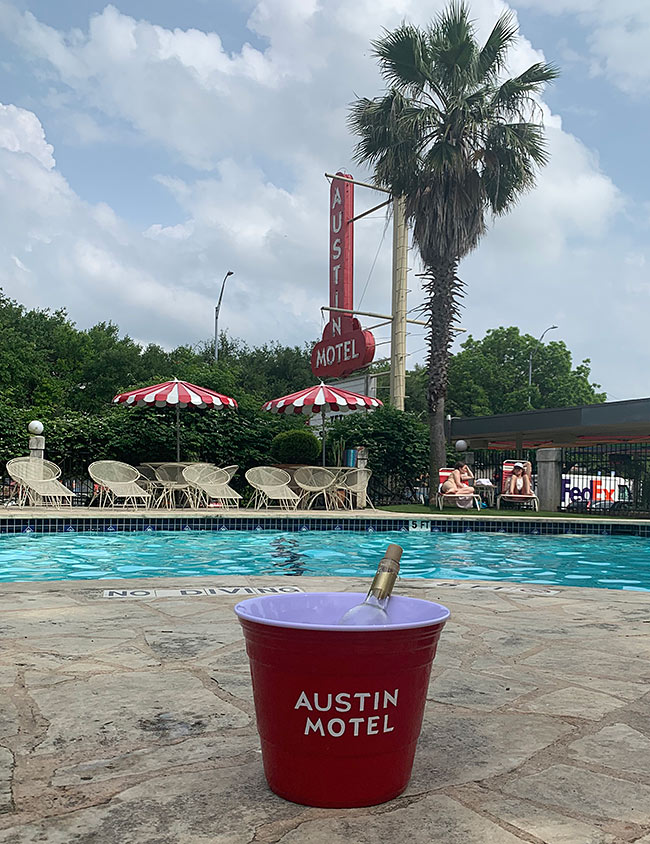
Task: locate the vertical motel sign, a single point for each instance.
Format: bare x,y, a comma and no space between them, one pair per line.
345,346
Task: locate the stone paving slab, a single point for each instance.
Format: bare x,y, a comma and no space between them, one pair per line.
126,721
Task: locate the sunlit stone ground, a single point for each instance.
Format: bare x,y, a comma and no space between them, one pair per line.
125,721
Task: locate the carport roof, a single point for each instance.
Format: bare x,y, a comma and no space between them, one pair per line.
611,422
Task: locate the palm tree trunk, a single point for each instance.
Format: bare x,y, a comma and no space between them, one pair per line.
437,450
444,289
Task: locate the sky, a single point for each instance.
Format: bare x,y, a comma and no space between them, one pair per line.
149,146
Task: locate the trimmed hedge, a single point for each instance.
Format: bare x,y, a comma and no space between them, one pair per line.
297,446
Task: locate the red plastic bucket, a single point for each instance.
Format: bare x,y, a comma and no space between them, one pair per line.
339,709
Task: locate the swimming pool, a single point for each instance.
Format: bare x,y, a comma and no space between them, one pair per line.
598,561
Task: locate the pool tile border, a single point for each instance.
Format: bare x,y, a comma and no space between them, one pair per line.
222,524
291,524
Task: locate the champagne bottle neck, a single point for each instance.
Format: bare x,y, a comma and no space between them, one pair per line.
384,580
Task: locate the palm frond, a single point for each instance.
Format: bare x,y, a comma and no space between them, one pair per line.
513,94
453,50
447,213
492,58
512,152
453,25
444,156
403,58
385,141
527,138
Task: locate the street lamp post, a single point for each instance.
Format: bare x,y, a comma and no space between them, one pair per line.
216,316
530,363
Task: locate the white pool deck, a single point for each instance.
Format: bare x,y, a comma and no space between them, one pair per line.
130,720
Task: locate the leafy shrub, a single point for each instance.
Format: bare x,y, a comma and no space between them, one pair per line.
397,443
297,446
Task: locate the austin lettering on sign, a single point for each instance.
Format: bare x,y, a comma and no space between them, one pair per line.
345,346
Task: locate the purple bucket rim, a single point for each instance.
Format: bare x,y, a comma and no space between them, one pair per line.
341,628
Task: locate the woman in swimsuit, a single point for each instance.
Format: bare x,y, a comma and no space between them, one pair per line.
519,483
456,482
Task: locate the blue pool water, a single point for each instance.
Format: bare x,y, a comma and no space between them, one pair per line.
599,561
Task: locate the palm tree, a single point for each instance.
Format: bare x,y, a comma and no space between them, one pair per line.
457,140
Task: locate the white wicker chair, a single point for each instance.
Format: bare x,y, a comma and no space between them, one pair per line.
173,481
315,481
116,481
271,484
354,486
38,482
209,484
150,483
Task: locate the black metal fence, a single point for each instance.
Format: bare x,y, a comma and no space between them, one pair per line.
404,489
606,479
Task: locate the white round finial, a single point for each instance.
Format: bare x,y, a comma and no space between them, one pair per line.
35,427
460,445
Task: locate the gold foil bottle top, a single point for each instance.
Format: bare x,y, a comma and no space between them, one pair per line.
387,571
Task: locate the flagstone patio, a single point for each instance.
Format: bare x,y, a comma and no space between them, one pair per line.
130,720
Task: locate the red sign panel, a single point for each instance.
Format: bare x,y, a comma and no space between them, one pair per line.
345,346
341,246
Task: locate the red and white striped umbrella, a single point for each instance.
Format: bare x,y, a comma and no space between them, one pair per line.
321,398
175,394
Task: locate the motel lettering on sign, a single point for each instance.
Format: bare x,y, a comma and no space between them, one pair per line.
345,346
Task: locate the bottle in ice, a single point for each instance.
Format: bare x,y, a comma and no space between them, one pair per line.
373,609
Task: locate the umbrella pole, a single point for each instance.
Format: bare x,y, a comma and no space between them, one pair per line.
322,415
178,434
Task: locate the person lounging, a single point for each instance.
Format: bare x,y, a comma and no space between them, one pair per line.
456,483
519,482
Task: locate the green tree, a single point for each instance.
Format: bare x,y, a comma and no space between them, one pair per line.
51,370
457,141
416,391
397,446
491,376
268,371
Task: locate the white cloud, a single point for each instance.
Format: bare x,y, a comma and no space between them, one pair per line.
19,264
57,250
573,201
21,131
260,126
617,35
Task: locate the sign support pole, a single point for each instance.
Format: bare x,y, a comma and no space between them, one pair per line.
398,324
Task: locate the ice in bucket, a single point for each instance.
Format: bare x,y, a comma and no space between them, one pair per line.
339,708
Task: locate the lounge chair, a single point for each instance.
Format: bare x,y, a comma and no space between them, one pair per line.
506,473
354,488
458,497
209,483
271,484
315,481
37,482
117,481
